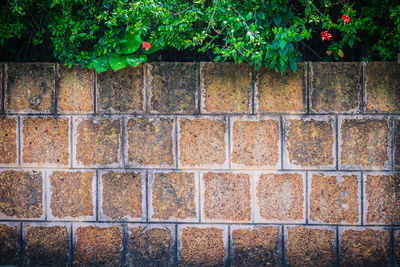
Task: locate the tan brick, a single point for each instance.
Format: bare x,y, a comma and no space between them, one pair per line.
75,90
173,196
255,143
280,198
45,141
226,197
151,142
226,87
9,249
121,91
8,141
30,87
76,205
382,86
21,194
364,247
310,246
397,245
396,147
335,198
202,143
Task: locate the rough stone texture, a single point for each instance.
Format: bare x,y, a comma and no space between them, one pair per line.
202,247
45,141
151,141
226,197
255,143
396,148
174,87
382,86
310,246
382,198
255,247
47,245
334,198
310,143
1,87
397,246
202,142
226,87
8,245
98,142
63,202
122,194
75,90
96,246
30,87
120,91
364,248
174,196
21,194
150,247
280,197
8,140
281,93
364,143
334,87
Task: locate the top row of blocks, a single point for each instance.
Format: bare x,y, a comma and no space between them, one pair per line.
207,88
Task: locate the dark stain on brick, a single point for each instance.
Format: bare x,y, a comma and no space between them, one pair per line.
8,140
396,148
8,245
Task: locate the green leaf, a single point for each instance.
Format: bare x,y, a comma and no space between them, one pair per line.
293,66
153,49
101,64
277,20
275,44
130,43
135,60
260,15
217,58
117,62
282,44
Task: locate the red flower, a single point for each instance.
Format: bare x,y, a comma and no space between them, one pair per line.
326,35
328,52
346,19
146,45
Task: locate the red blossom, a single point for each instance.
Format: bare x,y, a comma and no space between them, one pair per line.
346,19
326,35
146,45
328,52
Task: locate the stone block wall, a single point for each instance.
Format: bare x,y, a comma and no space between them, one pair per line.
200,164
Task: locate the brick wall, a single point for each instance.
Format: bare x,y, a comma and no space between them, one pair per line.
200,164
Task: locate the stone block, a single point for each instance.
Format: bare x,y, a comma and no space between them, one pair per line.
8,141
9,244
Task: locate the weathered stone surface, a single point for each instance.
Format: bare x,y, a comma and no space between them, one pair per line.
64,203
364,248
226,197
174,87
75,90
382,86
1,88
151,142
334,87
226,87
202,143
334,198
8,140
310,246
396,147
280,198
21,194
30,87
121,91
174,196
8,244
45,141
255,143
281,93
397,245
256,246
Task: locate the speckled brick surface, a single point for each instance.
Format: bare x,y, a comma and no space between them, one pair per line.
397,245
9,244
8,141
396,147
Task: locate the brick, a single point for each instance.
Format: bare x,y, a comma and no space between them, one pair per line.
45,141
1,88
310,246
75,90
151,246
364,143
202,143
310,143
121,91
174,196
364,247
8,141
280,198
225,88
21,194
151,142
255,246
396,147
98,246
80,204
382,87
335,87
335,198
255,143
202,246
174,87
284,93
123,194
30,87
397,245
226,197
9,239
97,142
